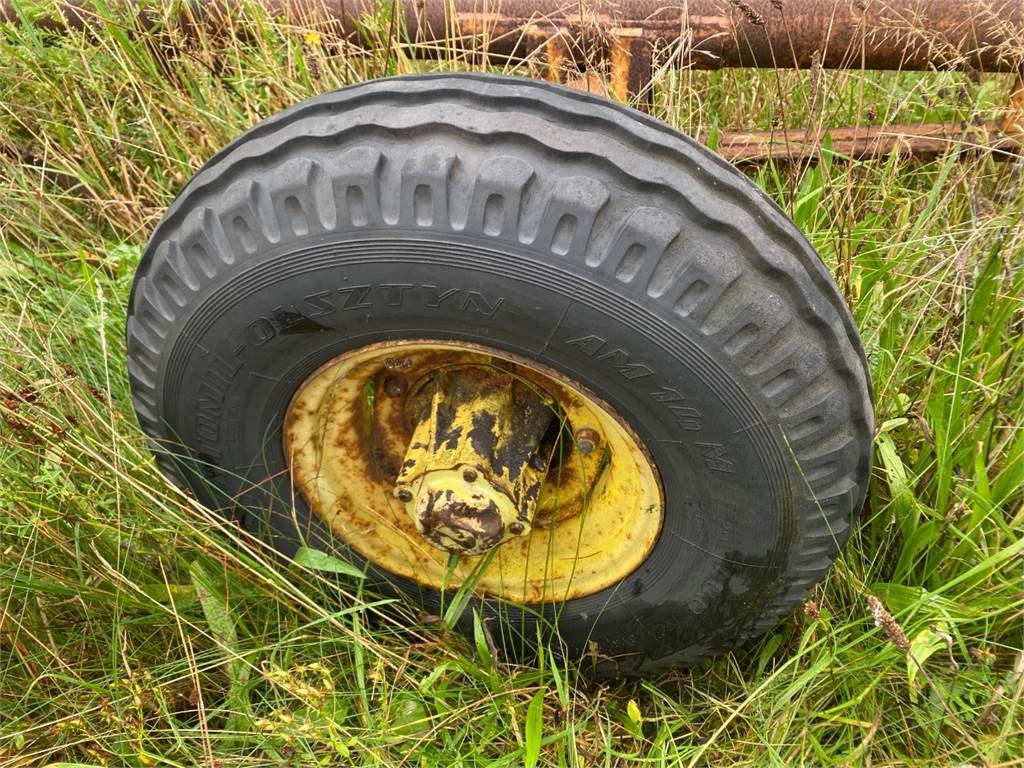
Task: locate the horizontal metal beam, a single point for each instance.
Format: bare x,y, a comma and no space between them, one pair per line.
707,34
924,141
712,34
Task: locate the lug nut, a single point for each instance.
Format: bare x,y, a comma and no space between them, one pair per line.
469,474
404,494
516,528
587,440
394,386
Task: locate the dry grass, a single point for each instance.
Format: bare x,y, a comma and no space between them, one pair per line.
134,632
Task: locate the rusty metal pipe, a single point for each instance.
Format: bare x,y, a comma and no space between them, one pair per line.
923,141
708,34
713,34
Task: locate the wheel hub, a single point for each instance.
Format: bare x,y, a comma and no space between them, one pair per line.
473,471
414,450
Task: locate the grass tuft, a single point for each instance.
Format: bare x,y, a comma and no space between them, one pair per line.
135,631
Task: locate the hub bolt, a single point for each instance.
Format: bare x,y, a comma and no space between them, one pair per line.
587,439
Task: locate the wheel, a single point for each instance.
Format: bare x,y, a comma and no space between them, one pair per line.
501,319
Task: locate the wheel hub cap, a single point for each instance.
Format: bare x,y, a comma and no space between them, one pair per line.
473,471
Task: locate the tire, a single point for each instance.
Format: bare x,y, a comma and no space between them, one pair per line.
556,226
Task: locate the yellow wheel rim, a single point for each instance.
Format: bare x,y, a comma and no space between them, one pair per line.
347,428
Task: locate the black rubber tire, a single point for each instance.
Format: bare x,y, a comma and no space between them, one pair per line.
558,226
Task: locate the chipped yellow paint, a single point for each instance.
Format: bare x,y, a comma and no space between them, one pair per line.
488,524
475,464
346,433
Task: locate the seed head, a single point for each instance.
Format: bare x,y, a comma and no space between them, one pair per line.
888,624
811,610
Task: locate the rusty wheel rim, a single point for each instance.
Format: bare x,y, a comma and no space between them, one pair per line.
348,426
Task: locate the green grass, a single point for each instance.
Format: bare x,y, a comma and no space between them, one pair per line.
135,631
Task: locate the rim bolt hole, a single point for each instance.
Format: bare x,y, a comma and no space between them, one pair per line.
394,386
